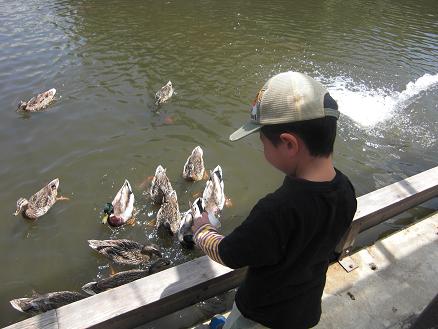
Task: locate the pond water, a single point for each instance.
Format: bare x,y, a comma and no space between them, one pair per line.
107,59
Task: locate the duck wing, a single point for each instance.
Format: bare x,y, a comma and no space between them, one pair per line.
40,303
121,251
40,101
43,200
113,281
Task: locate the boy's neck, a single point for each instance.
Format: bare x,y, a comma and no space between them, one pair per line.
316,169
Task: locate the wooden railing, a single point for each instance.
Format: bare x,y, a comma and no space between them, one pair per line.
171,290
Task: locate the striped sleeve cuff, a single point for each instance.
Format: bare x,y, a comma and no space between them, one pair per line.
207,238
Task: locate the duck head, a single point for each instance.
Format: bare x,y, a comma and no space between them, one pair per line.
21,106
159,265
150,250
108,210
22,204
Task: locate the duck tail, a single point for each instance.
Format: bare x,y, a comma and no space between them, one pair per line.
95,244
21,304
90,288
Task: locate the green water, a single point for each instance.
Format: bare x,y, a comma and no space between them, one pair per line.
379,59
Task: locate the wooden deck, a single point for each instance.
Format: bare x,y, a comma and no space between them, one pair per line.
395,280
171,290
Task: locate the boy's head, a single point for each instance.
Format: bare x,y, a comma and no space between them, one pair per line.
296,118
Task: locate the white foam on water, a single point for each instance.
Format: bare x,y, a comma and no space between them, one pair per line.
367,107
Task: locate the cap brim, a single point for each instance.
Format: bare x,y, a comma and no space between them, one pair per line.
247,129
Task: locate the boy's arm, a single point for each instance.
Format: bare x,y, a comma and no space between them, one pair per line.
207,238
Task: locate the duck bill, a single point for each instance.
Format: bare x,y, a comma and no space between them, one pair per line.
105,219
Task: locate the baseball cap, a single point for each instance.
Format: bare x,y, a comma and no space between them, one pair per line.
286,97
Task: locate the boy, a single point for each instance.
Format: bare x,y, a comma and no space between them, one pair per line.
290,234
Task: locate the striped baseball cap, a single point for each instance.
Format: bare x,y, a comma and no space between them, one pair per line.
286,97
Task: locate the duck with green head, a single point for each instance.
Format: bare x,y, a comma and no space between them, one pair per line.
120,210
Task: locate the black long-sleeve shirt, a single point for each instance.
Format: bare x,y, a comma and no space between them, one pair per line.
286,242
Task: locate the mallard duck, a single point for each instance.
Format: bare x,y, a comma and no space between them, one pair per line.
120,210
160,185
213,195
124,277
194,167
37,103
39,203
185,234
168,216
40,303
125,252
164,94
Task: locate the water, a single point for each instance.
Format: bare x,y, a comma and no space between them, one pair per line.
107,59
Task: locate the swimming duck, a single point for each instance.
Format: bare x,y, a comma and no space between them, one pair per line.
164,94
124,277
160,185
120,210
40,303
37,103
185,234
39,203
213,195
168,216
194,167
125,252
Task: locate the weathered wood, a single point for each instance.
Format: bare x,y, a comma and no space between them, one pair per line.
168,291
143,300
382,204
48,320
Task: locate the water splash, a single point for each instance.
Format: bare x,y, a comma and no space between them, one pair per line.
367,107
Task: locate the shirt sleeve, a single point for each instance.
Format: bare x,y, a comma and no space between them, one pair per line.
259,241
207,238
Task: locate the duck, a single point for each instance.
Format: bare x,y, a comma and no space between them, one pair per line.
119,211
168,216
37,103
162,95
40,303
41,202
194,169
213,195
124,277
160,185
126,252
185,234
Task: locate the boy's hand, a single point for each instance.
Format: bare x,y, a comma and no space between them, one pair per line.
200,221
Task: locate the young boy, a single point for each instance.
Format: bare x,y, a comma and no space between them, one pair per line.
290,234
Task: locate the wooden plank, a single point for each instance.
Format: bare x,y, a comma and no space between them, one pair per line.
47,320
382,204
143,300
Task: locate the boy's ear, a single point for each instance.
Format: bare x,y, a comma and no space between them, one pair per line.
290,141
